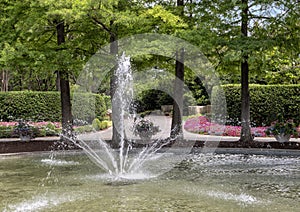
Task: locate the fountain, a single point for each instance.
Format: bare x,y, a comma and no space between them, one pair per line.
151,178
127,162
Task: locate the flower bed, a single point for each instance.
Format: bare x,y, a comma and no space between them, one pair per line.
39,129
42,129
202,125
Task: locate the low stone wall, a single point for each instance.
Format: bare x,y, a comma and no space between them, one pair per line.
21,146
39,144
7,147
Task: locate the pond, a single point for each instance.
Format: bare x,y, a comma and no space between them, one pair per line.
69,181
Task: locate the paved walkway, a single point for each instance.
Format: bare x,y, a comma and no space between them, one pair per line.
164,123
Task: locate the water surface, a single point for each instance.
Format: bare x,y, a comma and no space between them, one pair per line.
202,182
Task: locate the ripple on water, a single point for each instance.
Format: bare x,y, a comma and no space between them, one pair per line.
40,202
57,162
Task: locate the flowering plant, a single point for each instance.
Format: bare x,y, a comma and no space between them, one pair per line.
22,128
145,127
283,127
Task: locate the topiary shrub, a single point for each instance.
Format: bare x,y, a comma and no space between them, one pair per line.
266,102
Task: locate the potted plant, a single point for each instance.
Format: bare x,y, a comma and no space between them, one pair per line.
24,130
145,129
283,129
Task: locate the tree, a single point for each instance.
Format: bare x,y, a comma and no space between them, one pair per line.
245,96
239,32
111,26
42,53
66,108
176,126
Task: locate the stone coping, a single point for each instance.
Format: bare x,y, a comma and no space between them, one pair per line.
53,143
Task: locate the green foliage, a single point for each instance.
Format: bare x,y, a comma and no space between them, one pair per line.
87,106
152,100
100,125
49,130
283,127
28,105
45,106
103,125
107,101
266,102
96,124
6,131
33,130
84,129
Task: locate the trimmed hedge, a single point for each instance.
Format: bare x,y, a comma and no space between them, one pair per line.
152,99
46,106
266,102
87,107
30,105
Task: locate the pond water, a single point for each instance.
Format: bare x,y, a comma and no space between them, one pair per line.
69,181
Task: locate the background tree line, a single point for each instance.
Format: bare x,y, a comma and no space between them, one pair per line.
45,44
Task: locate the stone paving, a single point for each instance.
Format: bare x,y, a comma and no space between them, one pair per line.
164,123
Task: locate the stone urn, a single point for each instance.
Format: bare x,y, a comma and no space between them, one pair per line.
145,137
25,138
281,138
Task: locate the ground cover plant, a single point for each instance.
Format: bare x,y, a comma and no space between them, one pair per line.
41,129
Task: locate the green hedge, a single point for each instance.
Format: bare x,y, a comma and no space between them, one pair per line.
87,107
46,106
266,102
37,106
152,99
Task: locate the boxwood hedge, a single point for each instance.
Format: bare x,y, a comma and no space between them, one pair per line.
266,102
46,106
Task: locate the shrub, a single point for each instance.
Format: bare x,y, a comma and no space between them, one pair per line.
30,105
45,106
266,102
103,125
6,131
107,101
96,124
83,129
152,99
87,106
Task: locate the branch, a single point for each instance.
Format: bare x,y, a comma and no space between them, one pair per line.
259,16
101,24
50,38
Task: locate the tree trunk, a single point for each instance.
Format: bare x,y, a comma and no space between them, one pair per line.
180,4
116,137
65,96
5,78
176,126
246,136
57,82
